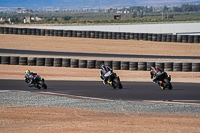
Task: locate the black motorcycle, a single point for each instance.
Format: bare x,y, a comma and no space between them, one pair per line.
114,81
165,81
39,81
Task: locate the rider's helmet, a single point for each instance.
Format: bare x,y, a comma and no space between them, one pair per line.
27,71
155,70
103,67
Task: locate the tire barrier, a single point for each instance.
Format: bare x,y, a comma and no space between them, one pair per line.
145,37
127,36
92,34
102,35
47,32
168,66
114,35
186,67
133,66
42,32
10,30
154,37
179,38
196,39
164,38
159,37
38,32
74,63
140,36
116,65
28,31
149,37
98,63
160,65
124,65
66,62
190,39
177,66
49,61
69,33
19,31
31,61
96,34
185,38
40,62
55,33
51,32
23,61
87,34
5,30
136,36
82,64
142,66
122,35
24,31
109,35
15,31
14,60
5,60
149,64
60,33
1,30
169,38
57,62
174,38
33,31
65,33
195,67
91,64
108,63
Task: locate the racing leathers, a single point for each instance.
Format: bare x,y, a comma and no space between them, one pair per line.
31,78
155,74
105,73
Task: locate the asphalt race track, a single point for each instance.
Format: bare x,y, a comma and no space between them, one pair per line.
131,90
58,53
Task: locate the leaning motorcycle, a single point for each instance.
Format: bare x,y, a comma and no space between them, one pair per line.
114,81
165,81
39,82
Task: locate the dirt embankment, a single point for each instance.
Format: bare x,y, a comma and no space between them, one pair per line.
45,120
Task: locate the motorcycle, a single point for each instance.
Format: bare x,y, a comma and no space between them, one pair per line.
39,81
114,81
165,79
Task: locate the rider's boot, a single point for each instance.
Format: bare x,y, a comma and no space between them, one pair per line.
161,85
110,82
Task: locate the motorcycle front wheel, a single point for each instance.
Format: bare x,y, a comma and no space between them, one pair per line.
168,84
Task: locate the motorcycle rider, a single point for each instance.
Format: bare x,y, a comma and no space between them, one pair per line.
30,78
156,73
105,73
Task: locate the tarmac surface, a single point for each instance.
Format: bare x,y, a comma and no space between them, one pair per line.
130,91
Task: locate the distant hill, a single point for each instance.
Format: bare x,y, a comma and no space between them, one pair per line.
88,3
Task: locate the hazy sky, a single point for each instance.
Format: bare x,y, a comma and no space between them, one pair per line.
62,3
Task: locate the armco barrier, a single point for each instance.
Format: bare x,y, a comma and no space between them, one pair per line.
92,64
102,34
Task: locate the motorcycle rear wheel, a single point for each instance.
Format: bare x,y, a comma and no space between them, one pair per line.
42,85
115,83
